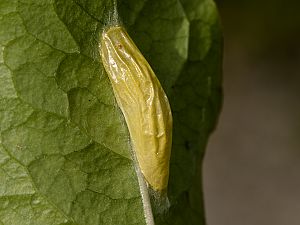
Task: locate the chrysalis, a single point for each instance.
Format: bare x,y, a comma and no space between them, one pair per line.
143,102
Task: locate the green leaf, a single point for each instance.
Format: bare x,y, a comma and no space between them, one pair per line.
64,145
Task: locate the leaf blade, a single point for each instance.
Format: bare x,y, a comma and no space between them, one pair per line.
58,112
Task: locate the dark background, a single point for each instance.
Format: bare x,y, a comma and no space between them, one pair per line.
252,164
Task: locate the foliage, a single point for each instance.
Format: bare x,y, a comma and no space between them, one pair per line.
64,147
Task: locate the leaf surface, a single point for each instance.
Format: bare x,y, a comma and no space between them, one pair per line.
64,145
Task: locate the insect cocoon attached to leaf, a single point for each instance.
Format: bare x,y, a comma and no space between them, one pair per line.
143,102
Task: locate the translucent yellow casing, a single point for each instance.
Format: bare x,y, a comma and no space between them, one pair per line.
143,102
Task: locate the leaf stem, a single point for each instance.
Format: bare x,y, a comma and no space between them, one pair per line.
144,193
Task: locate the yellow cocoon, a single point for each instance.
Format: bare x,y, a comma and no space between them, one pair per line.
143,102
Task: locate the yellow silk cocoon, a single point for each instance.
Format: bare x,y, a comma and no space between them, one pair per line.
143,103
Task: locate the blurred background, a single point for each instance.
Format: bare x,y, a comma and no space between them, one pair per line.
252,164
